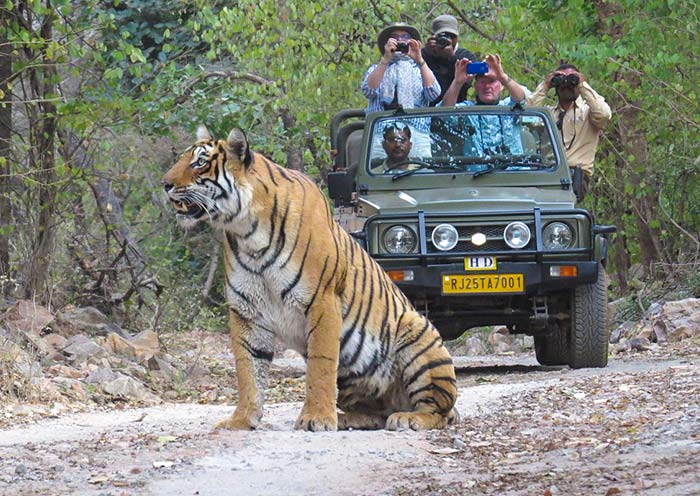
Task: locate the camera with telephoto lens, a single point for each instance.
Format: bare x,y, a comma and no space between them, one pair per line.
442,40
402,47
564,80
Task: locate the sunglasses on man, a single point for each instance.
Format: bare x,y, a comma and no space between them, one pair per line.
396,139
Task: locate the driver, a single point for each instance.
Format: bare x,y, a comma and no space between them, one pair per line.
397,145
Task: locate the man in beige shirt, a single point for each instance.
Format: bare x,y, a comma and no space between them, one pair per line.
580,114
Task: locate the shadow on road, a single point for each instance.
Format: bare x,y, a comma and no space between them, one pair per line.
468,370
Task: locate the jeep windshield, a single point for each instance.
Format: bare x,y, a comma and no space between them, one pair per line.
463,140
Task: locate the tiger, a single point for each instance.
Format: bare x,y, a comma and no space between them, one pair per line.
293,276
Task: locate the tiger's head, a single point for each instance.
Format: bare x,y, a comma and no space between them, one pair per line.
206,182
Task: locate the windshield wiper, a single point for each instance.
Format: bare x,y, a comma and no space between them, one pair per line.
491,167
502,163
423,166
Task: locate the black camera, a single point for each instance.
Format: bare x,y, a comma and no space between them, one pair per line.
563,80
402,47
442,40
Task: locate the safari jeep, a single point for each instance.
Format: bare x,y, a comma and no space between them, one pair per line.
478,225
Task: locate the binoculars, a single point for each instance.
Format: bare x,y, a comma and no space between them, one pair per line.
559,80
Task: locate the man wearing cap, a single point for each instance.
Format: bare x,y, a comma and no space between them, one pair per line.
442,51
489,134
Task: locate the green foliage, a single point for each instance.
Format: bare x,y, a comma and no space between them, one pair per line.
639,55
138,70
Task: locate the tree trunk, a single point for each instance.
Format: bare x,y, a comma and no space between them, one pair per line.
42,124
214,264
630,132
5,145
619,251
295,158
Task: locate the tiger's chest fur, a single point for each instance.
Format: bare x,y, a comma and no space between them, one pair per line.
274,296
258,297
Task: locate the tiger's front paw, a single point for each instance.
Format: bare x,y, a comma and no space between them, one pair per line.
233,424
238,423
317,422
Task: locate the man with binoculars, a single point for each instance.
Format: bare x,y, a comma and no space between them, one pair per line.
580,114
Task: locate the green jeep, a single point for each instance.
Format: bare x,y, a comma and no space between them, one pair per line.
478,225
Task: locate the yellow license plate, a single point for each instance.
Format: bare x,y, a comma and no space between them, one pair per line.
483,283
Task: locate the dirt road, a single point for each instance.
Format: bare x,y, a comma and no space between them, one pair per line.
631,428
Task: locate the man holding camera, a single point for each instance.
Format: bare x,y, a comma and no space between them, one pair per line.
442,50
580,113
401,77
491,80
488,134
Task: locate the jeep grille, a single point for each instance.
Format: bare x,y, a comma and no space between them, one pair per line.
492,231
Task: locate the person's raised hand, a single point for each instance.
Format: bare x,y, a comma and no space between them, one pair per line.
414,47
548,81
461,75
389,49
495,68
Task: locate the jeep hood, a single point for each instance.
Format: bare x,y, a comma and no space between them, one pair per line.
466,199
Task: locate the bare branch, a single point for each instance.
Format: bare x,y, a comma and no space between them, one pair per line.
678,226
466,20
230,75
212,268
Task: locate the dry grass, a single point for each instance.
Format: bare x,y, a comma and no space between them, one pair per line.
16,366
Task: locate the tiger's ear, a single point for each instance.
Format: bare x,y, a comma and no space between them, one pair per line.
203,133
237,145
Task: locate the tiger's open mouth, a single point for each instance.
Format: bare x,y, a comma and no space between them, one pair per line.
188,209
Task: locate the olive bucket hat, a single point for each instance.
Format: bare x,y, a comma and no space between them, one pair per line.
445,24
385,33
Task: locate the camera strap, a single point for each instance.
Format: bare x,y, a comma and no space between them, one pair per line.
560,126
395,102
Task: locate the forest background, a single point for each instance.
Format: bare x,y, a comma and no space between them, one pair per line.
98,98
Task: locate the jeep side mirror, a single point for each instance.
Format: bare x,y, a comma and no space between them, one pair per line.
601,229
341,186
577,182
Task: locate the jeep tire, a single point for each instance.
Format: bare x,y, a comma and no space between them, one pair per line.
553,349
588,346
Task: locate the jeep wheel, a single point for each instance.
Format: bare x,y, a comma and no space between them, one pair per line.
552,349
589,329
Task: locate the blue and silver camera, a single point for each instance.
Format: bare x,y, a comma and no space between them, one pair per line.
477,68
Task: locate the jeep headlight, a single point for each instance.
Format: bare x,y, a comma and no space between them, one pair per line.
399,239
557,236
516,235
445,237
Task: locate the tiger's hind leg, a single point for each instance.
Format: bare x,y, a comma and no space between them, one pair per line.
361,410
252,350
428,376
361,421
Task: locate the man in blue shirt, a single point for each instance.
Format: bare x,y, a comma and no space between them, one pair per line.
488,134
401,77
